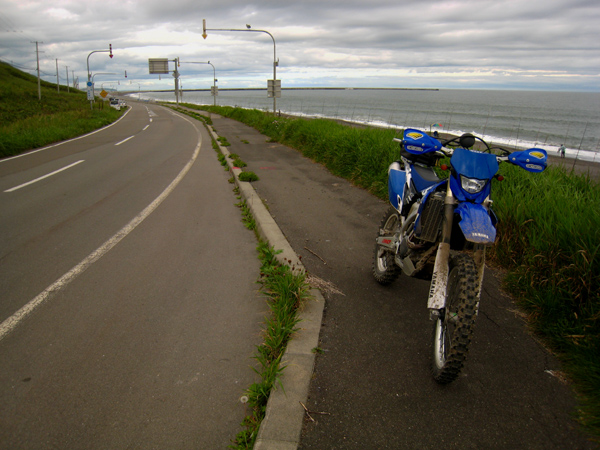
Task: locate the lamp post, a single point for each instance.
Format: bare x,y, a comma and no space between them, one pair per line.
214,93
90,84
102,73
249,29
139,87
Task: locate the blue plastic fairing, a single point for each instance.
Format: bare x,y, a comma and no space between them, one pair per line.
474,164
396,185
417,142
476,223
470,164
533,160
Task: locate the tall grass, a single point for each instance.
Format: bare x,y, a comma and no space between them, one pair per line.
550,241
40,130
549,236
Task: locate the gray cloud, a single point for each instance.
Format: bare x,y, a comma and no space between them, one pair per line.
548,44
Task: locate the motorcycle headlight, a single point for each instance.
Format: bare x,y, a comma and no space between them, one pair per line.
472,185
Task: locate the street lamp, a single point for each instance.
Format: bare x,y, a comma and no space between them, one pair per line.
102,73
275,61
139,87
214,89
90,84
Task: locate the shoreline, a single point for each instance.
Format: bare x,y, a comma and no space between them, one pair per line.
579,166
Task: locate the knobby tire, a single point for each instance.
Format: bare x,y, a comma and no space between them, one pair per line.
453,329
385,269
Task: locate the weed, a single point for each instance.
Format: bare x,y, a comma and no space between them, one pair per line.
247,217
223,141
248,176
284,291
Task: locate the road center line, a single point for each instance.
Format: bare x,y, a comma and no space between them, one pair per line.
11,322
45,176
124,140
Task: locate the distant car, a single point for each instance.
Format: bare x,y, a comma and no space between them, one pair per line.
114,102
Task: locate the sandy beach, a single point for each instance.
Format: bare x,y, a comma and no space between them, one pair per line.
579,166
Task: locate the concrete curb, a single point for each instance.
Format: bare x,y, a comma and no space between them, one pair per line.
282,425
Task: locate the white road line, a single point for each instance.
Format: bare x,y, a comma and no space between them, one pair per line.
64,142
45,176
11,322
124,140
144,129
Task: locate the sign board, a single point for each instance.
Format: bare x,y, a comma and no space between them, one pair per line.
158,65
103,94
273,88
214,91
90,91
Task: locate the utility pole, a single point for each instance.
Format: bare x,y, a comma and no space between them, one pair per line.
67,68
57,79
37,55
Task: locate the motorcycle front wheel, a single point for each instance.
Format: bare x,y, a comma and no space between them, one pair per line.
454,325
385,269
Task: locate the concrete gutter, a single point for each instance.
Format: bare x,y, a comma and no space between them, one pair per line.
282,425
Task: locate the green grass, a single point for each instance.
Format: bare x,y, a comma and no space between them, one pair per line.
248,176
549,236
27,122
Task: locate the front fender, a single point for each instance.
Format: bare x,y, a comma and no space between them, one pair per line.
476,223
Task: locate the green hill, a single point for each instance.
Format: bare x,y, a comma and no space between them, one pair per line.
26,122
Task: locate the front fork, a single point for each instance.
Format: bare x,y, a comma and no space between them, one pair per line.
439,281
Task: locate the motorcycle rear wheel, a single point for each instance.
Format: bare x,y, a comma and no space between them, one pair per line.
385,269
453,328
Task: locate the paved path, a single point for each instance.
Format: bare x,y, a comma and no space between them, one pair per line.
373,380
151,346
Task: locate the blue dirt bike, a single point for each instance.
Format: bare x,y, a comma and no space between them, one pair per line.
440,229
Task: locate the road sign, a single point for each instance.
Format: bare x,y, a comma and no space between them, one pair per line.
214,91
273,88
90,91
158,65
103,94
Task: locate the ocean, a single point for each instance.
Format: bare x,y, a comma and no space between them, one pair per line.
522,119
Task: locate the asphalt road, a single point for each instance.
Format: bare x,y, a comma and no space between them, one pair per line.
372,381
129,308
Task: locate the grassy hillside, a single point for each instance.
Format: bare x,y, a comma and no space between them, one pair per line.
27,122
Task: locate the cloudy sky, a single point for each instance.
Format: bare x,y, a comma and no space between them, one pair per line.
485,44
